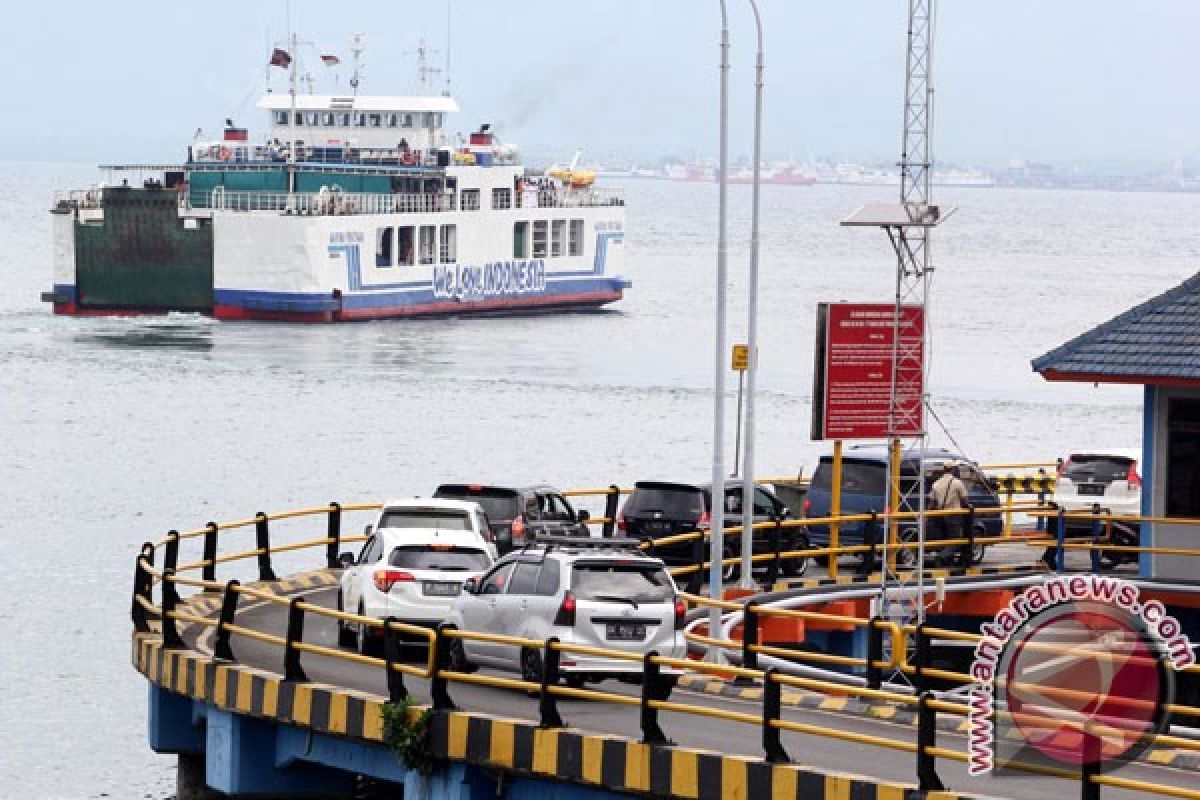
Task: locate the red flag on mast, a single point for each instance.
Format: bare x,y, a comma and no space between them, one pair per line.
280,58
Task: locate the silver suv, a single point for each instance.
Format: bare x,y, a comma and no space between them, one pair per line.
596,592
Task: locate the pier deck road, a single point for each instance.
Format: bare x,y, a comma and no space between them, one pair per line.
686,729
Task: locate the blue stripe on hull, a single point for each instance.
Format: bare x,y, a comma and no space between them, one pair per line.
423,296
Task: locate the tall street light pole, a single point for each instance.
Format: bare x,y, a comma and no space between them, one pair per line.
752,323
717,531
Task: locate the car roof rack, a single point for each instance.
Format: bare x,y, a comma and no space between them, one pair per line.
583,542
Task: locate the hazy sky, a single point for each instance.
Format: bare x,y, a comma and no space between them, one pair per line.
1095,82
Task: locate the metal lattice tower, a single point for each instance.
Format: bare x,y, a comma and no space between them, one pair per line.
909,235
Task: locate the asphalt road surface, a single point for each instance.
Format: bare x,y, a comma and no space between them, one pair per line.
686,729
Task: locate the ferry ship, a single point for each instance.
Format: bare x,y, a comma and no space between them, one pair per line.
351,207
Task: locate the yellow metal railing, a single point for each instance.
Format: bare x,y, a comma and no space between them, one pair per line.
167,613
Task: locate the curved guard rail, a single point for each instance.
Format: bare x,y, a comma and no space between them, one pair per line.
170,611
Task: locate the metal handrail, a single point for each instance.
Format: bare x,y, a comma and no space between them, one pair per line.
436,670
333,203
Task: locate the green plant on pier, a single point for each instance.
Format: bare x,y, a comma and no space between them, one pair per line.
406,730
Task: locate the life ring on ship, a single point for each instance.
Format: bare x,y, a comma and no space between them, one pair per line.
225,153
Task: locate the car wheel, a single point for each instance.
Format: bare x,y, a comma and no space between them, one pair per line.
906,557
796,567
457,657
979,551
368,645
345,634
666,684
531,668
1122,535
731,572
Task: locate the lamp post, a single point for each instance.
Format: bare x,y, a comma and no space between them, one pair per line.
716,532
752,323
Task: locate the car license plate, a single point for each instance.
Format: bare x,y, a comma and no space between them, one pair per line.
442,588
1091,488
625,631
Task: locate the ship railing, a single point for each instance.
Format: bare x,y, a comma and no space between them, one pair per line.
331,203
579,198
79,198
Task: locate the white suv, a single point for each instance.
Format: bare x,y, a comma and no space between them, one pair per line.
1108,480
412,566
1105,478
596,592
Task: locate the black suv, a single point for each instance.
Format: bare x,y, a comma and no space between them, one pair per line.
658,509
864,490
518,515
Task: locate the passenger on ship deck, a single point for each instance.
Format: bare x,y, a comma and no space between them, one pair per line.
948,493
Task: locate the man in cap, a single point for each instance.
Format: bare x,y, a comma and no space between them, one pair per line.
949,493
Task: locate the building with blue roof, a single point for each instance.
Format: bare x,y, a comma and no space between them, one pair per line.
1157,345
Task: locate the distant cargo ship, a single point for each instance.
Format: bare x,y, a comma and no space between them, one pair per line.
783,173
351,207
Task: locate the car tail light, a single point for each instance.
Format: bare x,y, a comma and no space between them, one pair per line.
566,611
1135,480
518,527
807,506
1062,466
680,613
621,526
704,521
385,579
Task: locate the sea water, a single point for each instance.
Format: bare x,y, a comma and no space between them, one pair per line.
116,430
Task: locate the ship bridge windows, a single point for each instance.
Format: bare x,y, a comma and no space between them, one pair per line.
575,238
540,228
393,120
501,198
298,119
327,119
521,239
343,119
470,199
281,118
406,120
360,119
375,120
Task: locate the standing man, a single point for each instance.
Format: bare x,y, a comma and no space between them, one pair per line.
949,493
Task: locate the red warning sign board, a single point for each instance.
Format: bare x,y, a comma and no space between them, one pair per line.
852,379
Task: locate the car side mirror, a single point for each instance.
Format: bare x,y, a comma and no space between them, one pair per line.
367,531
583,516
346,560
471,585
